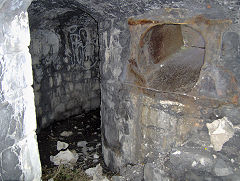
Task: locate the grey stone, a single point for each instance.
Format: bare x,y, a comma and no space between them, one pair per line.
153,173
52,50
221,168
235,176
117,178
8,127
11,167
230,45
130,136
191,159
132,172
220,131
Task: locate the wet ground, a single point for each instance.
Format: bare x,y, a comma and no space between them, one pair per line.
85,128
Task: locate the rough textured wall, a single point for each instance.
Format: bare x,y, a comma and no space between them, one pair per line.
166,135
19,158
172,134
65,55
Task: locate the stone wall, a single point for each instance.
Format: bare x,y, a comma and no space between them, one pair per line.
19,157
162,133
172,133
65,55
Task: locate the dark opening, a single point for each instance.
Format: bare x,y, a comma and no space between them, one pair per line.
65,60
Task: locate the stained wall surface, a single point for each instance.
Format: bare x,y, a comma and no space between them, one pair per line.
162,134
65,59
167,130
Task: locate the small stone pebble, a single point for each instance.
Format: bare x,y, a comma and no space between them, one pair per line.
95,156
66,133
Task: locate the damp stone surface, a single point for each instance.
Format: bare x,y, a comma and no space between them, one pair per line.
151,124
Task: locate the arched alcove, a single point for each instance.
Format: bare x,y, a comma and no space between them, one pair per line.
64,48
65,56
171,57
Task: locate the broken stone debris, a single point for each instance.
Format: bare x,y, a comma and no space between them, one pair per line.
66,133
62,145
96,173
154,173
95,156
132,172
220,132
118,178
64,157
82,144
222,169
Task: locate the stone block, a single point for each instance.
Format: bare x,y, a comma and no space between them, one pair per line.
30,159
16,33
60,108
10,161
230,45
6,121
96,85
118,178
153,173
78,87
18,72
57,79
28,111
95,102
191,159
220,131
71,104
221,168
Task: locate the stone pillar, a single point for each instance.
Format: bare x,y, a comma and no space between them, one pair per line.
19,157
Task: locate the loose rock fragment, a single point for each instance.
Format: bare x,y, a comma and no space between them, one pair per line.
95,156
82,144
62,145
222,169
96,173
66,133
64,157
220,132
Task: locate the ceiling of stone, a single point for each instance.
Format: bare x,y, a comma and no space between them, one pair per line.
98,9
44,10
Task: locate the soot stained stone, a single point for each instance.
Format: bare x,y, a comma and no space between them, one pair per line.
65,54
127,79
162,114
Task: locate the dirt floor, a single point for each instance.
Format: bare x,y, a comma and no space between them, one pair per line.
84,127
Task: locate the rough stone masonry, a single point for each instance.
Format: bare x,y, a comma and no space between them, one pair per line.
65,60
169,83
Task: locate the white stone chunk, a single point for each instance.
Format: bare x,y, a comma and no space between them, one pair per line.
96,173
82,144
177,152
64,157
61,145
91,148
95,156
220,132
66,133
194,163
